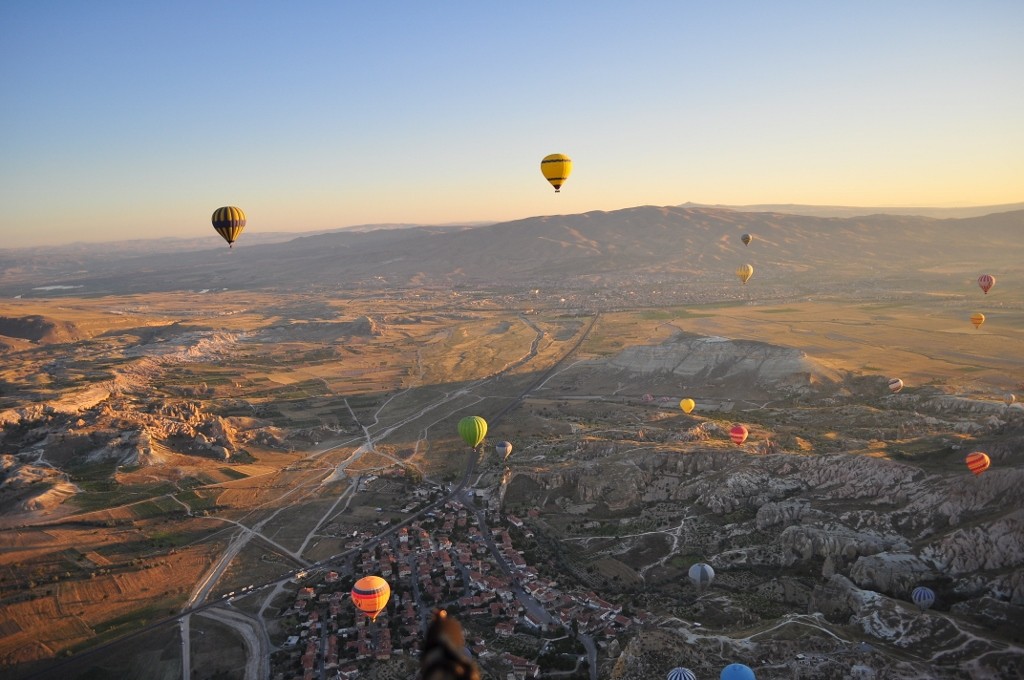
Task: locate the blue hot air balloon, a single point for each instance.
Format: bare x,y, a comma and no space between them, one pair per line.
737,671
923,597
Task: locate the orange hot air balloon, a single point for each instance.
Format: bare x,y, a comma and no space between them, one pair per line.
978,462
977,319
985,282
738,434
370,595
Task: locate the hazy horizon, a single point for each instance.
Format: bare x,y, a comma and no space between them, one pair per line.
125,122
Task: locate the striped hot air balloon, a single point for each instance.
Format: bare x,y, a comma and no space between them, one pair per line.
738,434
744,272
978,462
370,595
977,319
556,169
701,574
681,674
229,222
895,385
923,597
985,282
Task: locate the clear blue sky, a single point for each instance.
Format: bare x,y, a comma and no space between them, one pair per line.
140,118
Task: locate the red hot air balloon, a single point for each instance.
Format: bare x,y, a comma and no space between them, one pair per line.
978,462
985,282
738,434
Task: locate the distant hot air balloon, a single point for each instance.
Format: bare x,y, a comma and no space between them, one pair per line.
746,238
681,674
978,462
556,168
738,434
737,671
370,595
647,398
895,385
701,574
229,223
1009,398
986,281
744,272
687,405
977,319
923,597
504,449
473,429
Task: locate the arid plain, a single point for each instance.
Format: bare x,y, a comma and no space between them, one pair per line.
170,451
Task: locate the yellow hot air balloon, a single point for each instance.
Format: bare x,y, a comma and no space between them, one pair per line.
556,169
744,272
687,405
229,222
370,595
977,319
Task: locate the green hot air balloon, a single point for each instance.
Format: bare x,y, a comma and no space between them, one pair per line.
473,429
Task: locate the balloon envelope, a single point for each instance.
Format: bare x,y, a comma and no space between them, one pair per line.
985,282
746,238
503,449
737,671
701,574
978,462
977,319
895,385
370,595
687,405
473,429
923,597
681,674
1009,399
744,272
229,222
738,434
556,169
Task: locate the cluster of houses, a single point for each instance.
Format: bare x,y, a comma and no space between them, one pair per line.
446,561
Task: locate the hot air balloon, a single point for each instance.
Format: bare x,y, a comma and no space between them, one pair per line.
556,169
977,319
647,398
681,674
702,575
1009,399
473,429
370,595
923,597
737,671
738,434
895,385
687,405
503,449
229,223
746,238
985,282
978,462
744,272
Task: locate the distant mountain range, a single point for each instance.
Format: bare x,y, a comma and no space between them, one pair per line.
694,243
